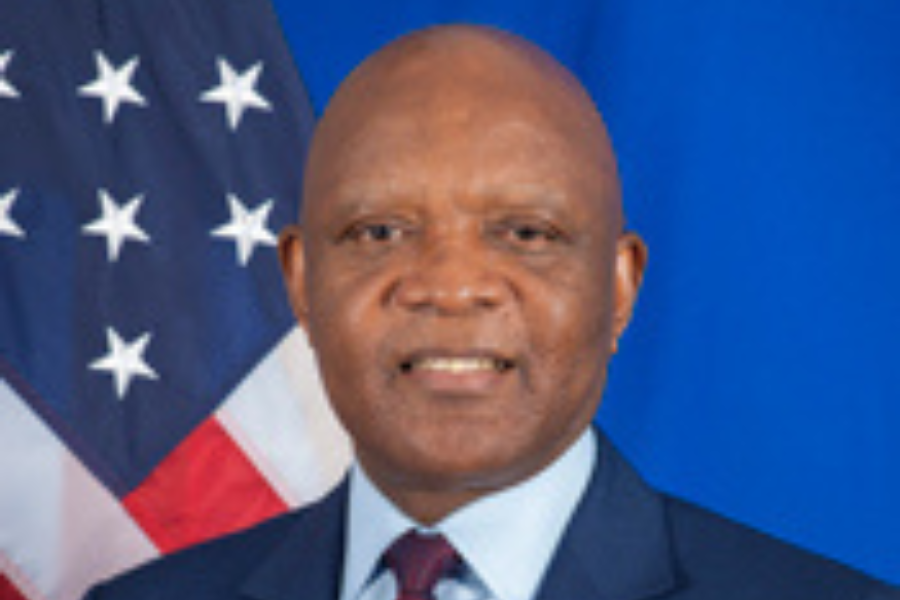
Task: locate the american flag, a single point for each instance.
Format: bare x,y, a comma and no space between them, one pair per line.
154,390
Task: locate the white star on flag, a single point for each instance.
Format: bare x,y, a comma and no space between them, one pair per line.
7,225
236,92
124,361
113,86
247,228
117,224
6,88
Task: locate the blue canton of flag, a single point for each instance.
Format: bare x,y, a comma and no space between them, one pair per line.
150,151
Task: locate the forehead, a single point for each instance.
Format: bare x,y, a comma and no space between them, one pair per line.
493,125
479,144
475,140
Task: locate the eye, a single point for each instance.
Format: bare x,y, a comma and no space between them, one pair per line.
376,232
530,236
532,233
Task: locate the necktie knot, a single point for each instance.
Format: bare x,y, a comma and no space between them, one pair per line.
419,561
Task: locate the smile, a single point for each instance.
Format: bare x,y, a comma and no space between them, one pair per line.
457,374
457,365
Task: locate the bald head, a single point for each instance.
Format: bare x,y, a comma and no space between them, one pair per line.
464,78
461,270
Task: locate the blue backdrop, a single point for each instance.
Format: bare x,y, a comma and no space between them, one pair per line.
760,151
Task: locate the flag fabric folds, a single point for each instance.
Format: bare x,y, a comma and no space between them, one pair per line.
154,391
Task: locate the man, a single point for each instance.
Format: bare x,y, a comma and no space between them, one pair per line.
463,273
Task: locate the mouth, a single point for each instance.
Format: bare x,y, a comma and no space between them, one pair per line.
456,373
456,364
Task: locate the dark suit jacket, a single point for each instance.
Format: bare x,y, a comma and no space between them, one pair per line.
625,542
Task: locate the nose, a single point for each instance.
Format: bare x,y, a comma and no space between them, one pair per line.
453,278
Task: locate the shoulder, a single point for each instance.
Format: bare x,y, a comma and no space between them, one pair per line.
214,566
693,552
715,552
220,568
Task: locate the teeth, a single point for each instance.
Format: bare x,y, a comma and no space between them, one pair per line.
459,365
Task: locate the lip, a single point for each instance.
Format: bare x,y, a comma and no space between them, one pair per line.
447,372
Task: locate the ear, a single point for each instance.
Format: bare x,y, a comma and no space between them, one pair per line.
292,256
631,259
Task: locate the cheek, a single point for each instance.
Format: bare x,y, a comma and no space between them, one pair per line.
570,335
346,331
342,303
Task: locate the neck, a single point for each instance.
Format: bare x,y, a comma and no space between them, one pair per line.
428,507
429,500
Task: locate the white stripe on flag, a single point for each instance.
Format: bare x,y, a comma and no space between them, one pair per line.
62,530
280,417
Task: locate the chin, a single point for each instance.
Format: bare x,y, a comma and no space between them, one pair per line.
467,470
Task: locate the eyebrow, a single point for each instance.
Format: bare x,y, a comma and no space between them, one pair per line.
346,207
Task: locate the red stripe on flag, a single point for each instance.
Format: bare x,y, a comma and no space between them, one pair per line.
8,591
205,488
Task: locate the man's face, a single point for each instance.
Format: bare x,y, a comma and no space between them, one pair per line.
462,278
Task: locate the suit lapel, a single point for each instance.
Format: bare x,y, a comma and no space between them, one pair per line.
616,546
307,565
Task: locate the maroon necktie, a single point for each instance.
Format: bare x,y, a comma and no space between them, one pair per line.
419,562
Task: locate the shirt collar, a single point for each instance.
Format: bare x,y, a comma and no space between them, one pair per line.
506,538
373,523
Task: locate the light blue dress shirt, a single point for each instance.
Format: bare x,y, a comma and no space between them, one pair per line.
506,539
